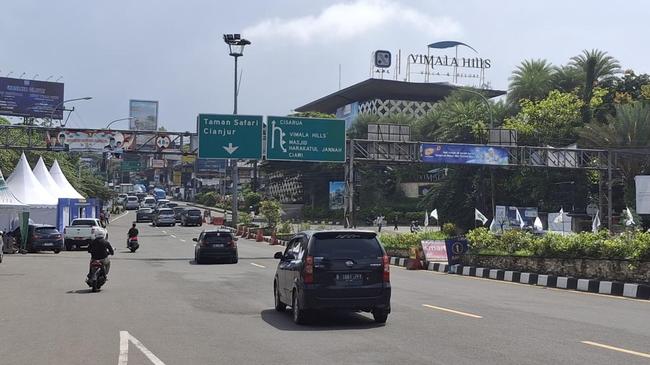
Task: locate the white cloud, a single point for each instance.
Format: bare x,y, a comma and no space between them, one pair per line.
347,20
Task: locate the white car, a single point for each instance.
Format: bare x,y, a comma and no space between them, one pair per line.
121,198
162,202
149,202
81,231
131,202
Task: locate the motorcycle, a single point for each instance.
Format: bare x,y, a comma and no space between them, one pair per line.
132,244
96,277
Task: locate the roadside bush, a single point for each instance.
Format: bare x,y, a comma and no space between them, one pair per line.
285,227
449,229
631,245
406,240
245,218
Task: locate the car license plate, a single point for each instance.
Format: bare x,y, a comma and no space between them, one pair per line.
349,279
48,244
217,245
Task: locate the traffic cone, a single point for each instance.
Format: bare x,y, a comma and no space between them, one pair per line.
260,235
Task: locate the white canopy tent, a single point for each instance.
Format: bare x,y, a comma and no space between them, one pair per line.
67,191
10,206
28,190
44,177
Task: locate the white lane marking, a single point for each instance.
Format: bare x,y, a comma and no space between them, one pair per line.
172,235
118,217
165,232
641,354
182,240
258,265
125,337
452,311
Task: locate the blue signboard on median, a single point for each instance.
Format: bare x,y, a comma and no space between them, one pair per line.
230,136
463,154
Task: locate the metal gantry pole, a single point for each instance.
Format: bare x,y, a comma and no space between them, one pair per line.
235,168
610,209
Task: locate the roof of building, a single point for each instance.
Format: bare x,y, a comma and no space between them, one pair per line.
386,89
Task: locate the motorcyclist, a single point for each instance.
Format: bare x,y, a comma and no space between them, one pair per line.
133,232
99,249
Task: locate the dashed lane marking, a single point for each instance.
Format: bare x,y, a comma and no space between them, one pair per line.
613,348
173,236
258,265
452,311
182,240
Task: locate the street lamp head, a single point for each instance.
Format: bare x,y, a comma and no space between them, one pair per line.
87,98
235,44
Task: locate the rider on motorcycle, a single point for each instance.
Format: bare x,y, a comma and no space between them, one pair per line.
99,249
133,232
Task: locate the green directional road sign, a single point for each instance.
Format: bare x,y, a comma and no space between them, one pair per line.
230,136
305,139
130,165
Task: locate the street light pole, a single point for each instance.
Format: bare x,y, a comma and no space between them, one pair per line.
117,120
236,46
66,101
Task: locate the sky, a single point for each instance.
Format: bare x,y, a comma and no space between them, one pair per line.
173,51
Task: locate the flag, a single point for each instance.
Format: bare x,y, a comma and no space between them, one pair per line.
520,219
538,224
560,218
629,219
494,227
595,224
434,214
478,216
426,219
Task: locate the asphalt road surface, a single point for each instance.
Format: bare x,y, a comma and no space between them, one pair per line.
158,307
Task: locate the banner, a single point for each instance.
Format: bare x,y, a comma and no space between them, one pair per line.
337,192
463,154
210,166
98,141
449,250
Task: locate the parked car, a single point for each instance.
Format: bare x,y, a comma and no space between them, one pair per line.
81,231
191,217
131,202
144,215
216,244
164,217
43,237
149,202
346,270
121,198
177,213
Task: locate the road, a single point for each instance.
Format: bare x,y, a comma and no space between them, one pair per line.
182,313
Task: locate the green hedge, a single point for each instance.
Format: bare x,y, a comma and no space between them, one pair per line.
406,240
630,246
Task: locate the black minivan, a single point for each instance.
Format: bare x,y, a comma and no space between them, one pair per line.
346,270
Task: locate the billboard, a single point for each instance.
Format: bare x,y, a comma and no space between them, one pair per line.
337,192
30,98
145,114
210,166
113,143
463,154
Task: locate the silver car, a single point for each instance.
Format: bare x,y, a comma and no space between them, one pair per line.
164,217
131,202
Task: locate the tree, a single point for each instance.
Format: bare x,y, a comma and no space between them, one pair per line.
628,129
552,120
567,78
532,80
270,209
596,67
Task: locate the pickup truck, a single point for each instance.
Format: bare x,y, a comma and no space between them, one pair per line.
81,231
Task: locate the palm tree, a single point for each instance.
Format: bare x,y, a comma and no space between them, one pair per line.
533,80
627,132
567,78
596,67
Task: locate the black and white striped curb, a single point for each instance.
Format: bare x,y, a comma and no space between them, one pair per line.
431,266
629,290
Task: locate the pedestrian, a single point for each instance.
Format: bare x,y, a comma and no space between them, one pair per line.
395,221
380,221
